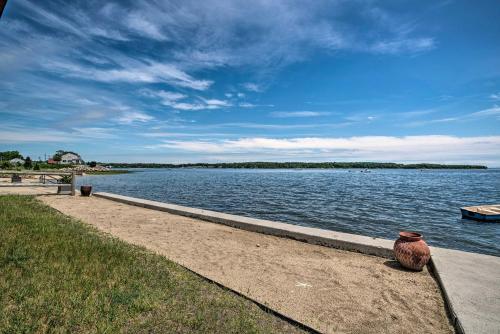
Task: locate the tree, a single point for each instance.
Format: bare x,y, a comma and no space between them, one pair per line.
28,163
9,155
92,164
37,167
6,165
57,156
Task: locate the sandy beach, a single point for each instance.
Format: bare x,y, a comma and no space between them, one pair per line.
330,290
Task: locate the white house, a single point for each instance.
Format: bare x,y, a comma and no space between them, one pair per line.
16,161
71,159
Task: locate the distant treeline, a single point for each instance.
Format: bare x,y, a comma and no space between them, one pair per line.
284,165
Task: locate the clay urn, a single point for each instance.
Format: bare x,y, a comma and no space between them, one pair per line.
411,250
86,190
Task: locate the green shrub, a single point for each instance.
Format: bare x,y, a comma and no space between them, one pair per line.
28,163
65,179
6,165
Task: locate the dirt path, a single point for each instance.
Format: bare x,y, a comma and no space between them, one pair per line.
331,290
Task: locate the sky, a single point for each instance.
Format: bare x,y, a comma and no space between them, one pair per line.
211,81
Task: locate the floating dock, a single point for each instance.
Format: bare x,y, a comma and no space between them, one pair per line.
490,213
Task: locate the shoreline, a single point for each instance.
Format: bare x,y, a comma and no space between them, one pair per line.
298,165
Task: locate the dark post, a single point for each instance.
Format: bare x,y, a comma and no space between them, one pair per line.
2,6
73,183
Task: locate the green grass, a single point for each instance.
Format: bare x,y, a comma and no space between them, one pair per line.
58,275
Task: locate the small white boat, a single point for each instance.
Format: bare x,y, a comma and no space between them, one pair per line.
488,213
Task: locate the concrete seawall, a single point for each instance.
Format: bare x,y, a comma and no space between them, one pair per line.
345,241
470,282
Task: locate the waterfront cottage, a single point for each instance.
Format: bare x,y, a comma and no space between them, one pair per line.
16,161
70,158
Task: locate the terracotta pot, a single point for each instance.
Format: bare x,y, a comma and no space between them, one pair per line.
411,250
85,190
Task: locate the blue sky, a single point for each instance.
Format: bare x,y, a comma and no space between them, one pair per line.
190,81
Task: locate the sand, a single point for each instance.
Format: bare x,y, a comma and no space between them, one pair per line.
330,290
28,190
6,187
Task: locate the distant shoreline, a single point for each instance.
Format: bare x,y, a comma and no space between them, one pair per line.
297,165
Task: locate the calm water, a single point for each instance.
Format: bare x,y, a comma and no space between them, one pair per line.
379,203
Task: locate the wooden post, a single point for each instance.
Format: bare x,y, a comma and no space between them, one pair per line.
73,183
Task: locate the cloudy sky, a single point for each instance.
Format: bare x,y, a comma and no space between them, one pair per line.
214,80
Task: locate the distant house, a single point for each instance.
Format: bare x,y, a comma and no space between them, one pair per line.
71,159
51,162
16,161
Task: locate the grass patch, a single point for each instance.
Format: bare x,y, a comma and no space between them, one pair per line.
59,275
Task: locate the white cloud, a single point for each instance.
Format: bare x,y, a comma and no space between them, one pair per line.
133,72
31,136
252,87
278,33
181,134
431,148
171,96
410,45
485,113
247,105
493,111
266,35
252,105
249,125
94,132
75,21
186,106
133,117
50,19
86,102
141,25
286,114
417,113
495,97
217,103
16,134
173,99
205,105
360,118
165,96
433,121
